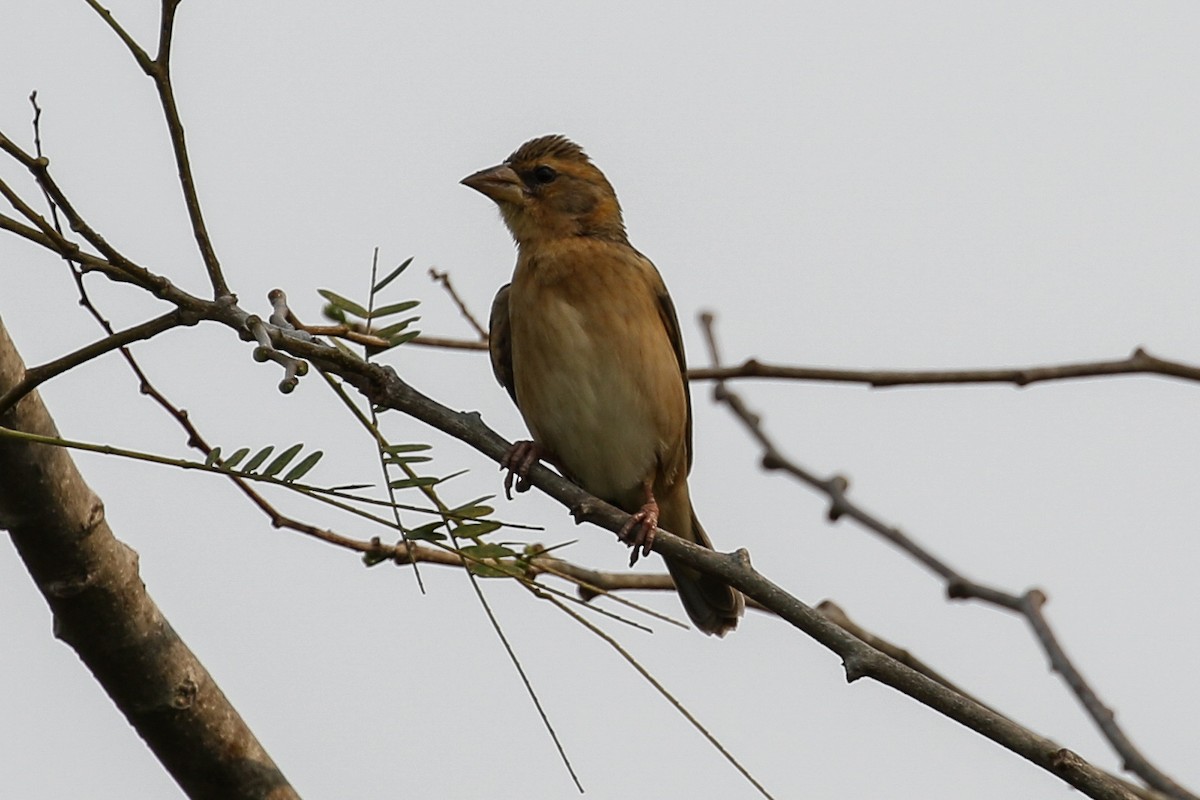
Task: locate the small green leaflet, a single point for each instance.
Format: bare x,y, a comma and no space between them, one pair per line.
345,304
391,276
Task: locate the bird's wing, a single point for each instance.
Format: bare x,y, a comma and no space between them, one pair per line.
500,342
666,311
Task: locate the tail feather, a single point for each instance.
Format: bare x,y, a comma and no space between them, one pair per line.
713,605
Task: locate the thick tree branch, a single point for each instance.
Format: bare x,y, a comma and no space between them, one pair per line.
102,610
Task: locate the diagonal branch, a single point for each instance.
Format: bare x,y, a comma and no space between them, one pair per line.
102,610
443,277
35,376
143,59
39,167
387,389
159,70
957,585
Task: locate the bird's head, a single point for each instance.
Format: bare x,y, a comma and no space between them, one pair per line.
550,189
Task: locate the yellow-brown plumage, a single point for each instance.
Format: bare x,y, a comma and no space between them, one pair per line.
586,341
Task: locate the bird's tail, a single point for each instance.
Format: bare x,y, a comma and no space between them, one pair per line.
713,605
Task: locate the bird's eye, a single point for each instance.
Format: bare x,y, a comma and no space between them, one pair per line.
544,174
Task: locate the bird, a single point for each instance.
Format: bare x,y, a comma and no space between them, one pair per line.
586,341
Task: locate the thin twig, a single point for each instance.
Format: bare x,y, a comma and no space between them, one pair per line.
449,343
39,167
662,690
159,70
35,376
443,278
139,55
1138,362
386,388
381,444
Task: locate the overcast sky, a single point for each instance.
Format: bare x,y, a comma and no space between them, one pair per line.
855,184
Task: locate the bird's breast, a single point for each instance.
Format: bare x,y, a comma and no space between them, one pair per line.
596,376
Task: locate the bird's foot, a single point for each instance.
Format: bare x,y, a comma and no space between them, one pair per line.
638,532
519,459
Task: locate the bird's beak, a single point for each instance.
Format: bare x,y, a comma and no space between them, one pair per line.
500,183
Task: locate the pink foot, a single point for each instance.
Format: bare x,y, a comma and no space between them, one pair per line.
519,459
638,532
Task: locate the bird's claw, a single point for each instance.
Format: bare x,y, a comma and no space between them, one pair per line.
638,532
519,459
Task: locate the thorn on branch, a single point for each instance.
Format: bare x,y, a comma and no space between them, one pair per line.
855,666
836,487
583,511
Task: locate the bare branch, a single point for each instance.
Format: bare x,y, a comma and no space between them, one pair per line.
35,376
140,55
957,585
166,28
159,70
448,343
443,278
1138,362
1131,757
65,248
39,167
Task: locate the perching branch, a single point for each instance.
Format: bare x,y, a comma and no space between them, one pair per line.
387,389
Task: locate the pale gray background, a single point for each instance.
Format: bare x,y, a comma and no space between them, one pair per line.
851,184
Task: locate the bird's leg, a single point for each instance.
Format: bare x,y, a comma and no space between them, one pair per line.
638,532
519,459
